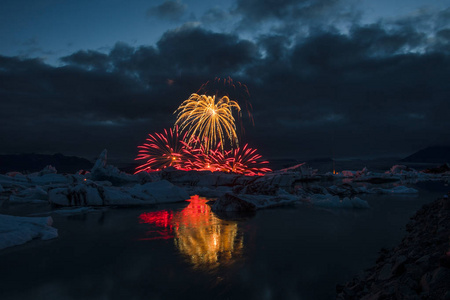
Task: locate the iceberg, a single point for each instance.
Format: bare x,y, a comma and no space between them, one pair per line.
92,194
32,195
19,230
103,172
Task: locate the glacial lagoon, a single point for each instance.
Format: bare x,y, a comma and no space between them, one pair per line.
185,251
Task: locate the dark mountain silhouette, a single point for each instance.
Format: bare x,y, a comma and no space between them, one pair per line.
36,162
435,154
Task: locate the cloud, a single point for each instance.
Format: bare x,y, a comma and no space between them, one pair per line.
168,10
261,10
202,52
380,89
293,17
215,15
88,59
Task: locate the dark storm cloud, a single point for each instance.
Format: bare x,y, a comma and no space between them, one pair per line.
169,10
200,52
293,16
89,59
128,91
358,89
381,89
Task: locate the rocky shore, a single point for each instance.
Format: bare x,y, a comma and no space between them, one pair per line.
418,268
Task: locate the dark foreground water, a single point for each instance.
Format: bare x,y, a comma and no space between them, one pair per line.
184,251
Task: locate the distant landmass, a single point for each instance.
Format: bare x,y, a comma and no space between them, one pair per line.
435,154
36,162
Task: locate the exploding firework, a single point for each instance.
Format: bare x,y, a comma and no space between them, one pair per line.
200,160
243,160
161,150
232,89
210,120
246,161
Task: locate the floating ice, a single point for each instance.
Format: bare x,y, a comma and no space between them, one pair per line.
19,230
91,194
32,195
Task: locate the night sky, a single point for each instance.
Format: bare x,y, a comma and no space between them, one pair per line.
357,78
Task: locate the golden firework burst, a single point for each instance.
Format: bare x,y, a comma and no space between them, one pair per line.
210,120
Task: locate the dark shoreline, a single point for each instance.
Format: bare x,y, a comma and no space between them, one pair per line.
418,268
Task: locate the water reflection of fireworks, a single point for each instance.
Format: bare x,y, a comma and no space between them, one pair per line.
206,241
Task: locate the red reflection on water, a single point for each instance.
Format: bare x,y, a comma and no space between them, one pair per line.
197,213
162,219
205,240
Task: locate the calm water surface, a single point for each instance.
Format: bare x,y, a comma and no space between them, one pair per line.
184,251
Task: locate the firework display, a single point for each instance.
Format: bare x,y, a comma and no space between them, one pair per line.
161,150
209,119
246,161
232,89
207,124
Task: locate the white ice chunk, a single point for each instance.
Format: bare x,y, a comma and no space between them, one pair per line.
79,195
19,230
33,195
103,172
90,194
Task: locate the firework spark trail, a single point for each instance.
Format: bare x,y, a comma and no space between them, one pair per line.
243,160
161,150
232,89
200,160
246,161
211,121
167,149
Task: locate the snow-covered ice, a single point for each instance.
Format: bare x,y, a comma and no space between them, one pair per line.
101,172
32,195
91,194
19,230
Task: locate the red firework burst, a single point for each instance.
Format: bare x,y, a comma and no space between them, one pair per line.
161,150
246,161
168,149
202,160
